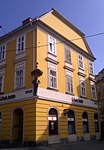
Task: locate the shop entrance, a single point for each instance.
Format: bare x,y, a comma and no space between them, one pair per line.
53,126
17,133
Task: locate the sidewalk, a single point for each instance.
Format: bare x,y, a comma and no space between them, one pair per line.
88,145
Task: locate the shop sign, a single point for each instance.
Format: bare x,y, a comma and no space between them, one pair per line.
7,97
52,118
76,100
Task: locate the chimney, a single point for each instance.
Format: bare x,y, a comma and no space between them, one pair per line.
26,21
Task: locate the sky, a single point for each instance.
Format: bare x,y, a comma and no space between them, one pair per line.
86,15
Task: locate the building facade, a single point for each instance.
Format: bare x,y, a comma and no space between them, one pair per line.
52,51
100,94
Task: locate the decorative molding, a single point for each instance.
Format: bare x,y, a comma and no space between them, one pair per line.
81,74
68,68
52,61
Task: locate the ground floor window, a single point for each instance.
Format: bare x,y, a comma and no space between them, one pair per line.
85,122
71,122
96,122
53,122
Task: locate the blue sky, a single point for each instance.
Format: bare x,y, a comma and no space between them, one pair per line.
86,15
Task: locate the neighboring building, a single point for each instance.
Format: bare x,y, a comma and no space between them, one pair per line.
65,107
100,94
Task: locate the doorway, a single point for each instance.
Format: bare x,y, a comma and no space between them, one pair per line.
17,130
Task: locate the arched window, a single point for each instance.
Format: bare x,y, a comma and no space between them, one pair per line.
53,121
85,122
71,122
96,122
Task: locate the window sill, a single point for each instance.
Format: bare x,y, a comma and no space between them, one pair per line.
1,93
52,54
21,88
50,88
83,97
70,93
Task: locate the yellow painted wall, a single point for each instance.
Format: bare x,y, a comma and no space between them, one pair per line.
29,109
29,60
64,30
9,73
42,108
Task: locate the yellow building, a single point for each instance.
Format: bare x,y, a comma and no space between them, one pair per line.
64,108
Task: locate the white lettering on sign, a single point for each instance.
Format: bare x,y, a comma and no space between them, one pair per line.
52,118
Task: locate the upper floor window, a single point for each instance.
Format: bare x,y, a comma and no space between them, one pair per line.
0,120
93,92
80,61
69,84
1,83
19,75
52,45
21,44
91,67
67,55
2,52
83,88
71,122
52,75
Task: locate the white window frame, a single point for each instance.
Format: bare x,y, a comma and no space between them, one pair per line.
51,45
93,92
69,84
2,83
82,88
80,61
19,67
91,67
19,44
2,52
52,67
67,54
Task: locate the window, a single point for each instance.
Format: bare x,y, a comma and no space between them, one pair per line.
52,45
69,84
96,123
93,91
53,122
19,78
80,60
1,83
19,75
52,78
91,69
2,52
67,55
85,122
20,44
83,88
71,122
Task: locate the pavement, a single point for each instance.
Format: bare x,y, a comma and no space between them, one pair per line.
87,145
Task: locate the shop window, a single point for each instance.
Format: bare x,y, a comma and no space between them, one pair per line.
85,122
71,122
96,122
53,122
